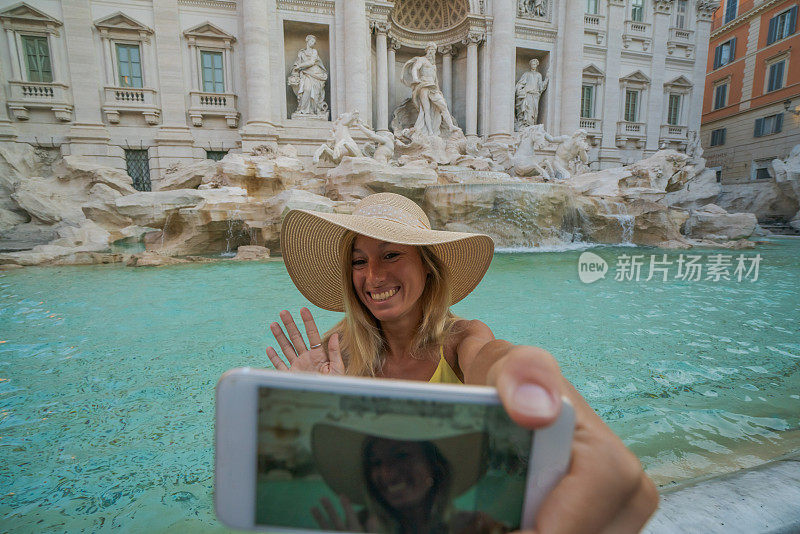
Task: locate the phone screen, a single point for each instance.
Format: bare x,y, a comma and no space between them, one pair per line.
329,461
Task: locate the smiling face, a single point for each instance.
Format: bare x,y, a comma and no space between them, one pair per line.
400,472
388,278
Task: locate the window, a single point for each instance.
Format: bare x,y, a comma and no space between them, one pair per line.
730,10
721,95
762,173
216,155
631,105
591,7
587,102
718,174
637,10
137,163
718,137
725,53
37,58
782,25
213,78
129,65
674,110
680,16
775,75
768,125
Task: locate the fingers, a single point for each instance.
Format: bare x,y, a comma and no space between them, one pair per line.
285,345
353,524
529,383
335,356
294,333
276,360
311,327
321,520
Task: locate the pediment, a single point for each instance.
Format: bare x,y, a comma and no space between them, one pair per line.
209,31
680,81
636,77
591,71
121,22
22,12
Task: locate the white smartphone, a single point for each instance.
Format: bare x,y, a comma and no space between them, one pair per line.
302,453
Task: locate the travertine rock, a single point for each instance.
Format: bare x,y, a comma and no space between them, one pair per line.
153,259
251,252
187,176
698,190
713,222
355,178
767,199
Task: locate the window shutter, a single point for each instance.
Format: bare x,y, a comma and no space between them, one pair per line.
757,130
717,56
778,123
773,28
732,55
792,20
724,131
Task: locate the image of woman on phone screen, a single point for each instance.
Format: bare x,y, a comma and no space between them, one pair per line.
395,279
401,485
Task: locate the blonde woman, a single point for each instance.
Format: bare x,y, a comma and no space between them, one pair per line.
395,279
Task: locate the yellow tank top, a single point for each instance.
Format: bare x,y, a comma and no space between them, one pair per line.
444,374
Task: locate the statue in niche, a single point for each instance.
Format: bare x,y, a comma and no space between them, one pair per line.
384,149
529,89
536,8
419,74
341,142
307,79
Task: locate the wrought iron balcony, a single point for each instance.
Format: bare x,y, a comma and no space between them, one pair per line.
119,100
42,95
213,105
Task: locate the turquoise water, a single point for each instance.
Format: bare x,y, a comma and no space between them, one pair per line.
107,372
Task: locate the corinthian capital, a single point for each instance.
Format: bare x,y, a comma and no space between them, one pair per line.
380,26
474,37
663,7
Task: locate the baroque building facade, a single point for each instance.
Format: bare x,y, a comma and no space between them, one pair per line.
146,84
751,112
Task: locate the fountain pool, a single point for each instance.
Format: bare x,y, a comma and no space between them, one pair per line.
107,372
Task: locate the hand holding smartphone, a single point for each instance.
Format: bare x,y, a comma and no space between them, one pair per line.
299,453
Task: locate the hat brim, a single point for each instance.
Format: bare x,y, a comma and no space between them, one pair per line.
338,457
310,244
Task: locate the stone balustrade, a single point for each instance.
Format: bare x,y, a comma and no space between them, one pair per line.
681,38
594,129
631,131
213,105
637,31
142,100
671,132
43,95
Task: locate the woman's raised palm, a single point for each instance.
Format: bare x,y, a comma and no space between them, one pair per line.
312,358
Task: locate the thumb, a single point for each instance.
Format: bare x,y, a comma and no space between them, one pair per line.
334,356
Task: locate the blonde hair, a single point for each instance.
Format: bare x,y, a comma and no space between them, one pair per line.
361,340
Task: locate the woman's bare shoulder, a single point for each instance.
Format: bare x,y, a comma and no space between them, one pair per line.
471,327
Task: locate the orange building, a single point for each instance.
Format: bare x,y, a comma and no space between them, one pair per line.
751,105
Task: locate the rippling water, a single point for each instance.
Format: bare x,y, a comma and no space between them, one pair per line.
107,373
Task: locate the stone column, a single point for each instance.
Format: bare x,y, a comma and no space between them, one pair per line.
88,136
173,142
109,59
571,70
16,73
356,58
503,53
381,72
7,130
447,74
258,128
612,99
193,60
392,67
656,98
472,41
55,59
702,32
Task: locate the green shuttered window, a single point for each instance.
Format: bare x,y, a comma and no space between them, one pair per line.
213,78
129,65
37,58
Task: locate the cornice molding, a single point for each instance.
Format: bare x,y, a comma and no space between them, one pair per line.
744,17
229,5
322,7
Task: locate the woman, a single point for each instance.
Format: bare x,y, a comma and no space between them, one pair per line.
404,484
395,279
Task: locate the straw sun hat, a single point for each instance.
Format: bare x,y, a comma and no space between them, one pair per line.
338,451
310,243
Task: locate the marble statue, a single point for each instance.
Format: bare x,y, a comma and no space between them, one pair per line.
341,143
419,74
525,160
384,149
572,149
529,89
307,79
694,150
537,8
